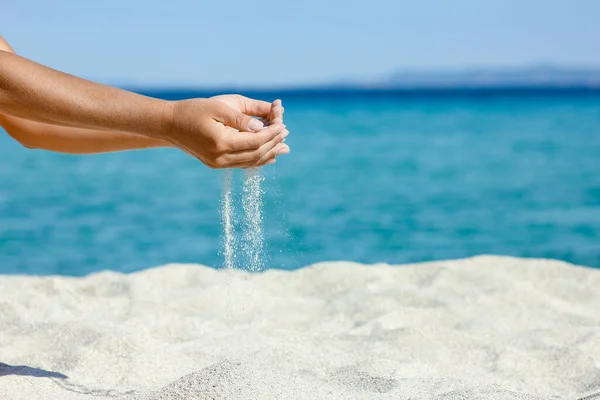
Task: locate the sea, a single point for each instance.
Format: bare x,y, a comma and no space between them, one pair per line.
373,176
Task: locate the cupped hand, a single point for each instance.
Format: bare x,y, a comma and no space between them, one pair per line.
272,113
221,135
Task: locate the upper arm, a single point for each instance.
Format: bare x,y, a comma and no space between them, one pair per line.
5,46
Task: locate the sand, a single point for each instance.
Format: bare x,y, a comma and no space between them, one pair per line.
481,328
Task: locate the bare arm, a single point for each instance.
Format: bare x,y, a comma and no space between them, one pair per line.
66,139
31,91
38,135
213,132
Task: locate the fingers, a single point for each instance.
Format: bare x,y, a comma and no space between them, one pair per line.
242,120
257,157
254,159
238,120
254,107
265,152
269,156
276,113
248,141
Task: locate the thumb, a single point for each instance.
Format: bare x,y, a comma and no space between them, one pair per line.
240,121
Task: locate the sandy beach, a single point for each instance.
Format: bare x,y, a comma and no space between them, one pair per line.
479,328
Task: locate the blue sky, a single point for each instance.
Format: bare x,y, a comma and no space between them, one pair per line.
257,43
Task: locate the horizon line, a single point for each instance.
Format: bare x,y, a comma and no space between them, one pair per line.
358,88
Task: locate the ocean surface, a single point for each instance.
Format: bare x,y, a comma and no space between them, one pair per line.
391,177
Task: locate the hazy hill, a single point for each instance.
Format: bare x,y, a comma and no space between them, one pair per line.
535,76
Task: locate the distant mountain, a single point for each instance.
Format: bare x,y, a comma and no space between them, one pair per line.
534,76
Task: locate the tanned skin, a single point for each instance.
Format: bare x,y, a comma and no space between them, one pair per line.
46,109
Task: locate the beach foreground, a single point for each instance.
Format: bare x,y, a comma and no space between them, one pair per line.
480,328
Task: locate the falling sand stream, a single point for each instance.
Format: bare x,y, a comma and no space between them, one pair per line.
250,240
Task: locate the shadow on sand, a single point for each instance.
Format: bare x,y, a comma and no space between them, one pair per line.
24,370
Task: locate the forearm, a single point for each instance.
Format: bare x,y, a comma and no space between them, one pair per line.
31,91
37,135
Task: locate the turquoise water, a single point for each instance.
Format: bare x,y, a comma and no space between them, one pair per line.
371,178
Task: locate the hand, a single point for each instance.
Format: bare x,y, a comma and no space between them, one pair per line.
272,112
269,112
221,136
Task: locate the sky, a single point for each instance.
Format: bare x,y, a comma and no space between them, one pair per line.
199,43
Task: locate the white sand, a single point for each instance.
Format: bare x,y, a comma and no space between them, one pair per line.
481,328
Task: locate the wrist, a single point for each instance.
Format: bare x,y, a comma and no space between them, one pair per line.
152,118
167,120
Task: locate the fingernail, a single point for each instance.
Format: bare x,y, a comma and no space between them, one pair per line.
272,161
285,133
284,150
255,125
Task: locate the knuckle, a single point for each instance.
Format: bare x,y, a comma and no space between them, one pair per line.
272,153
221,147
255,143
239,121
249,158
221,162
211,145
254,158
